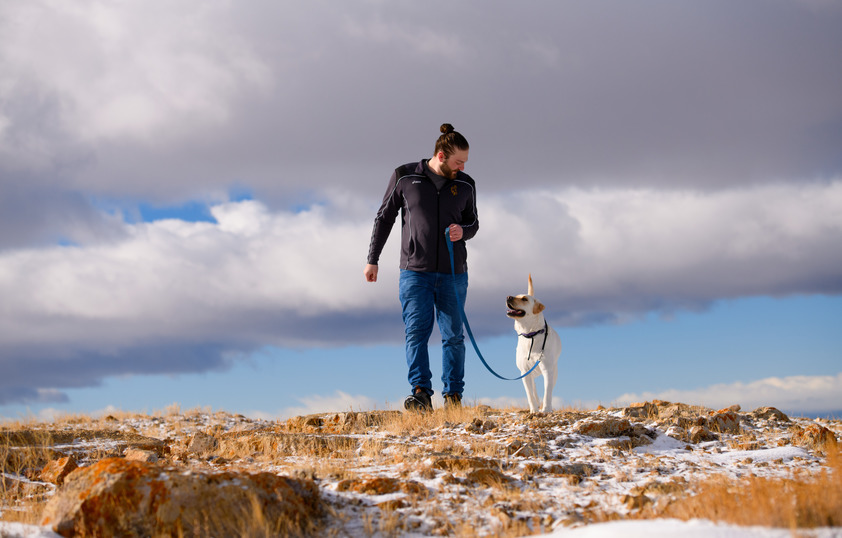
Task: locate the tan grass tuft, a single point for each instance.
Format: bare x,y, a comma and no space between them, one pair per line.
417,423
798,502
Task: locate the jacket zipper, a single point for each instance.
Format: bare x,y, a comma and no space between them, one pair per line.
438,225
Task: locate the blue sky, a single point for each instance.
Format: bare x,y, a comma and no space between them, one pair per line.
734,343
185,212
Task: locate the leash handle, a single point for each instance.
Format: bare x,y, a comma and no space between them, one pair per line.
465,318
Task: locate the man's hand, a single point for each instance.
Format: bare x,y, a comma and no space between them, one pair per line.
455,232
370,273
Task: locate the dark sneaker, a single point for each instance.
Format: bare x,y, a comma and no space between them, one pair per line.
418,401
453,400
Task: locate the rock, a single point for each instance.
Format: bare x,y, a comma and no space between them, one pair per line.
136,454
700,434
725,421
57,470
617,427
308,423
116,497
814,437
770,413
610,427
674,411
202,444
345,419
641,410
677,433
479,426
313,421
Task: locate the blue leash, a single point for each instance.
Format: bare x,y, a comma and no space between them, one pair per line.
465,318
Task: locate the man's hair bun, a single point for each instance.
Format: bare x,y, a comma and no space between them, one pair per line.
449,141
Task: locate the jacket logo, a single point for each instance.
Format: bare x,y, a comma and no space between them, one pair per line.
453,190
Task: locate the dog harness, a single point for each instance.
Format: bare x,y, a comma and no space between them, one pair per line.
532,336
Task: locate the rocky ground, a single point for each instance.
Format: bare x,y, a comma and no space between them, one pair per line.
475,471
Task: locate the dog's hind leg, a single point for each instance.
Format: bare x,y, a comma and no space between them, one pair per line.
549,383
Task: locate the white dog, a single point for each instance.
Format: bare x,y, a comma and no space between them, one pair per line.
537,341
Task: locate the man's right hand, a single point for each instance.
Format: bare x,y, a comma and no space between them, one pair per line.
370,273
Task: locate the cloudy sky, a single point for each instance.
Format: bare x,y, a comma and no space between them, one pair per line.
187,191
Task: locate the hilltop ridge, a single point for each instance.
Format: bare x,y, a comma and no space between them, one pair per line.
474,470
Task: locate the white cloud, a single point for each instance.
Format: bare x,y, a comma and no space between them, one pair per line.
618,252
639,250
181,296
172,279
805,394
338,402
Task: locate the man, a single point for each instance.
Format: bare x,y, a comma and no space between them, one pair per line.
432,196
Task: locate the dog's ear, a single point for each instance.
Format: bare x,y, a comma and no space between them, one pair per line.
538,308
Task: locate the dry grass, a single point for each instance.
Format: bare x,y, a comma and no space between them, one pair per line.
334,450
25,451
251,521
22,456
798,502
423,423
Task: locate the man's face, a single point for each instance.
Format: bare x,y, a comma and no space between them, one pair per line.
454,163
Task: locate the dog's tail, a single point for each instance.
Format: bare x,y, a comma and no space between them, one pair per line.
530,289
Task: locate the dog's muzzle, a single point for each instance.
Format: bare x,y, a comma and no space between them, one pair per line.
511,310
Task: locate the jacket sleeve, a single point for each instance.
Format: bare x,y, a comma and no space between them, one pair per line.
470,218
385,220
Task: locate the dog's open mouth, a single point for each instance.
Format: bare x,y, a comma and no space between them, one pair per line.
515,312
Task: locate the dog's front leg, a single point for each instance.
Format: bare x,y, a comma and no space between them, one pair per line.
531,392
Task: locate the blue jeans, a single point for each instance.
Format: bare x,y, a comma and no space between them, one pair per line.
425,296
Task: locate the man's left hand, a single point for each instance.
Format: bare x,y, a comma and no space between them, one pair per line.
455,232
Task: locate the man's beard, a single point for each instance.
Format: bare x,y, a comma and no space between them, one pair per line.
447,171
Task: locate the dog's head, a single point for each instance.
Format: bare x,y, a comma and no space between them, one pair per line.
520,306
